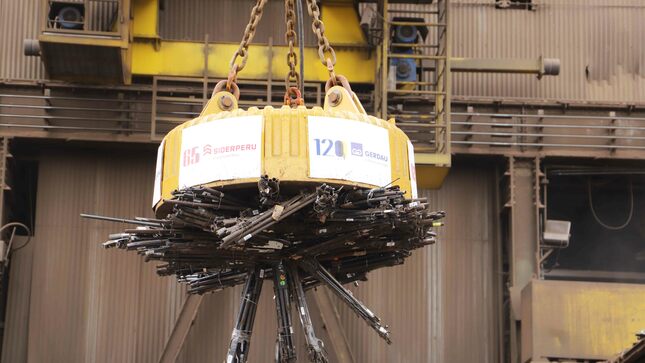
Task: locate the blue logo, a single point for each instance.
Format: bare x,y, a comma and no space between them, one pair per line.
376,156
357,149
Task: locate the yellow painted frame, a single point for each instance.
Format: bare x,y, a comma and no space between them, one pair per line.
186,59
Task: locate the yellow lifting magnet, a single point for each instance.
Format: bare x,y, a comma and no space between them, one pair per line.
338,144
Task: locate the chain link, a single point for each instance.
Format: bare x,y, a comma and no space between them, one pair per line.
293,97
325,51
243,50
293,77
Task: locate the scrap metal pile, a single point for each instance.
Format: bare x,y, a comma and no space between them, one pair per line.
211,240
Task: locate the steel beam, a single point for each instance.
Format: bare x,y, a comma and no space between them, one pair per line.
589,275
539,66
338,343
186,59
523,229
181,328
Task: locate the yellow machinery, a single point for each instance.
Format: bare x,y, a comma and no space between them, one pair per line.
110,42
152,55
338,144
113,40
286,146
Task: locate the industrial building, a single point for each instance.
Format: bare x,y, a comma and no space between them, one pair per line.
528,124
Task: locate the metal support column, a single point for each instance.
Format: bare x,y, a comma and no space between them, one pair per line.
4,157
180,330
384,61
523,228
522,232
325,310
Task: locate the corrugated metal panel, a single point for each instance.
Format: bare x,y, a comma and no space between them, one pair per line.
83,63
598,41
14,345
19,20
101,15
441,299
88,304
225,21
468,275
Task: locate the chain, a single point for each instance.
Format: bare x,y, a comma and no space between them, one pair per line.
293,78
325,51
293,97
243,50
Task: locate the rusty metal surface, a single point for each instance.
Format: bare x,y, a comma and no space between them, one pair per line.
522,229
466,265
633,354
515,126
15,340
181,327
82,63
18,20
537,66
531,128
192,19
76,312
580,320
598,42
100,15
83,302
444,295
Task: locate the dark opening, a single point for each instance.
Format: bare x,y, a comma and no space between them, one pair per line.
606,211
515,4
21,199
